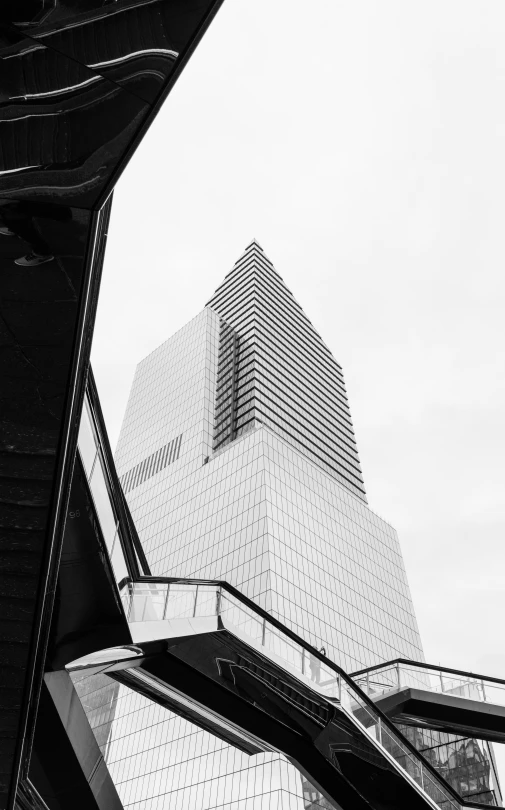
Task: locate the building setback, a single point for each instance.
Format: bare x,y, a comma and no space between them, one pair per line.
238,458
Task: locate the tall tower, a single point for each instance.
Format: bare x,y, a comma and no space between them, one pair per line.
238,458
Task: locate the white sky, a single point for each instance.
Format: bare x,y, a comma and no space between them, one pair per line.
362,144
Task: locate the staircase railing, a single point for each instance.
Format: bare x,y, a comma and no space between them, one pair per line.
166,598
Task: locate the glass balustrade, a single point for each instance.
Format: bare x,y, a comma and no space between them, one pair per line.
155,601
393,676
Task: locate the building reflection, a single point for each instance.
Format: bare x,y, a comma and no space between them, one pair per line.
77,82
465,763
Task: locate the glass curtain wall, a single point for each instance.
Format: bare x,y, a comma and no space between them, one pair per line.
278,510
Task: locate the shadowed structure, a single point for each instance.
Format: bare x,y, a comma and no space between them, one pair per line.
80,82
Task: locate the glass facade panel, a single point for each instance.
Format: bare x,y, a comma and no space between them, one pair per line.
103,505
244,620
277,643
182,602
147,603
207,601
86,441
91,457
117,558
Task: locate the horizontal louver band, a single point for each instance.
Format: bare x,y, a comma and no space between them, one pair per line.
151,465
282,374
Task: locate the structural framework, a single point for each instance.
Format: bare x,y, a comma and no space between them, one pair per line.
86,612
81,80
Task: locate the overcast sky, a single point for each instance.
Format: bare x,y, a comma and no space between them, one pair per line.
362,144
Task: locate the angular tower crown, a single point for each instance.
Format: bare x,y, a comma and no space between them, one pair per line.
275,369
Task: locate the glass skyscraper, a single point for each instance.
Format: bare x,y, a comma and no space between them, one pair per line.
239,462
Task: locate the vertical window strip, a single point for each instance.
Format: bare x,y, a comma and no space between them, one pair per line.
146,469
131,477
172,443
162,458
137,472
179,445
165,456
134,482
159,454
176,449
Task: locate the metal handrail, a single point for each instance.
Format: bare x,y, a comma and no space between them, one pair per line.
130,541
433,667
383,718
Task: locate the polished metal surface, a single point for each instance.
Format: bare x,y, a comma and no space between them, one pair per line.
216,659
80,82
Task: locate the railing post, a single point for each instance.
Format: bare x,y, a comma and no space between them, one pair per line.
398,675
303,660
339,678
218,601
165,607
422,776
483,690
263,632
196,597
379,731
368,683
441,681
130,601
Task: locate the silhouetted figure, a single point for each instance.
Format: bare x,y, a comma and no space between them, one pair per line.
18,219
315,666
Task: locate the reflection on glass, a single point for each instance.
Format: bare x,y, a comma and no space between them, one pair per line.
182,602
103,505
63,124
206,600
86,441
126,599
242,618
103,501
107,656
148,603
75,100
465,763
117,558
